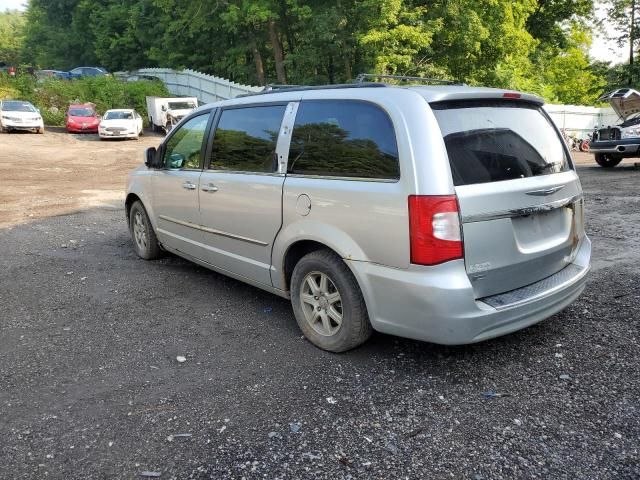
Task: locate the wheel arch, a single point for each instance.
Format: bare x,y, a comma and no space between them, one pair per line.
131,198
301,247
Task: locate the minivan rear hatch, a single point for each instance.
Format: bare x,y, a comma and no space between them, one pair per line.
520,199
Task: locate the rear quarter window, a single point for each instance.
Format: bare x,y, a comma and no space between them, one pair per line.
495,140
343,139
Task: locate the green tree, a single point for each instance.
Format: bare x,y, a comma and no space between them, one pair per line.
11,36
625,15
569,75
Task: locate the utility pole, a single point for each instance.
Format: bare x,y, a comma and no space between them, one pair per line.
632,40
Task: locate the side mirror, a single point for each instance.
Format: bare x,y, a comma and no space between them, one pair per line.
163,108
151,158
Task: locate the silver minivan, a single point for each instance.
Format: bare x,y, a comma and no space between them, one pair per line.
448,214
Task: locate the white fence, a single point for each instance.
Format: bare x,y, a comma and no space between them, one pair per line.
575,120
580,120
189,83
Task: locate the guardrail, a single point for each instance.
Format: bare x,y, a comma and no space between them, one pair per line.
207,88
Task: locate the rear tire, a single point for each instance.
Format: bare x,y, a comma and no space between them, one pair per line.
145,242
327,302
607,160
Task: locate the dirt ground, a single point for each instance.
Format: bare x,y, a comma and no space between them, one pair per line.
59,173
80,172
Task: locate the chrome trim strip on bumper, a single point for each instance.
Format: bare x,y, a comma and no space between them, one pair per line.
213,231
521,212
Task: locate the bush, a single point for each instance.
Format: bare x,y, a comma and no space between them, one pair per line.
53,95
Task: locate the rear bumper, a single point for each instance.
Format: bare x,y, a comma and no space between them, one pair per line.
437,304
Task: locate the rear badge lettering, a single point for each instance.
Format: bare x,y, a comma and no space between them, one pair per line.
479,267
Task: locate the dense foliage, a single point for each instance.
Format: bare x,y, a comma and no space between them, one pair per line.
535,45
11,36
53,96
625,15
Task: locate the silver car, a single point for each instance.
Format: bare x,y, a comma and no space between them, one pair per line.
447,214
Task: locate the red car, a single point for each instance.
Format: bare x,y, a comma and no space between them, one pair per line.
82,118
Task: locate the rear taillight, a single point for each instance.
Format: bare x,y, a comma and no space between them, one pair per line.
434,229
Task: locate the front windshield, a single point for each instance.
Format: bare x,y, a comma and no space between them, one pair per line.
181,105
18,107
118,116
81,112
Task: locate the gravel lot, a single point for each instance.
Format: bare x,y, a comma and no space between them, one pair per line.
90,386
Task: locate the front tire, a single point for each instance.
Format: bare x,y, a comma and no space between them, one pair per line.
327,302
145,242
41,130
607,160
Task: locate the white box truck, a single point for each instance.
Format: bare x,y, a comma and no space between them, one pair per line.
165,113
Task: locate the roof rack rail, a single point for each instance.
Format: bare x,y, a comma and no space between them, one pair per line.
277,86
303,88
361,79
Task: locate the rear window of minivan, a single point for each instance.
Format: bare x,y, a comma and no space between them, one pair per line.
496,140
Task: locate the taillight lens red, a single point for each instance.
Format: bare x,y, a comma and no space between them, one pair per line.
434,229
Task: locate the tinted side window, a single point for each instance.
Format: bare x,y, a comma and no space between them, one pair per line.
343,139
245,139
183,148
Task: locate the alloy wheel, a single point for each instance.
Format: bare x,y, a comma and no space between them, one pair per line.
321,303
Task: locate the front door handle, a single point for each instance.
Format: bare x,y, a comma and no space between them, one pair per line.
189,186
210,187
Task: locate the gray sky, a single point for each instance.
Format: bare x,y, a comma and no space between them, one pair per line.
12,4
601,49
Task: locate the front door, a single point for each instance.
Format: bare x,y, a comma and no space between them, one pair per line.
175,188
241,191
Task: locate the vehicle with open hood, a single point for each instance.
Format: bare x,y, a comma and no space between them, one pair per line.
613,143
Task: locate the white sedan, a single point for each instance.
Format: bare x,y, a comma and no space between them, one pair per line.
19,115
120,123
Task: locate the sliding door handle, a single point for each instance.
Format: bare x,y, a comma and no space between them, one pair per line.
210,187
